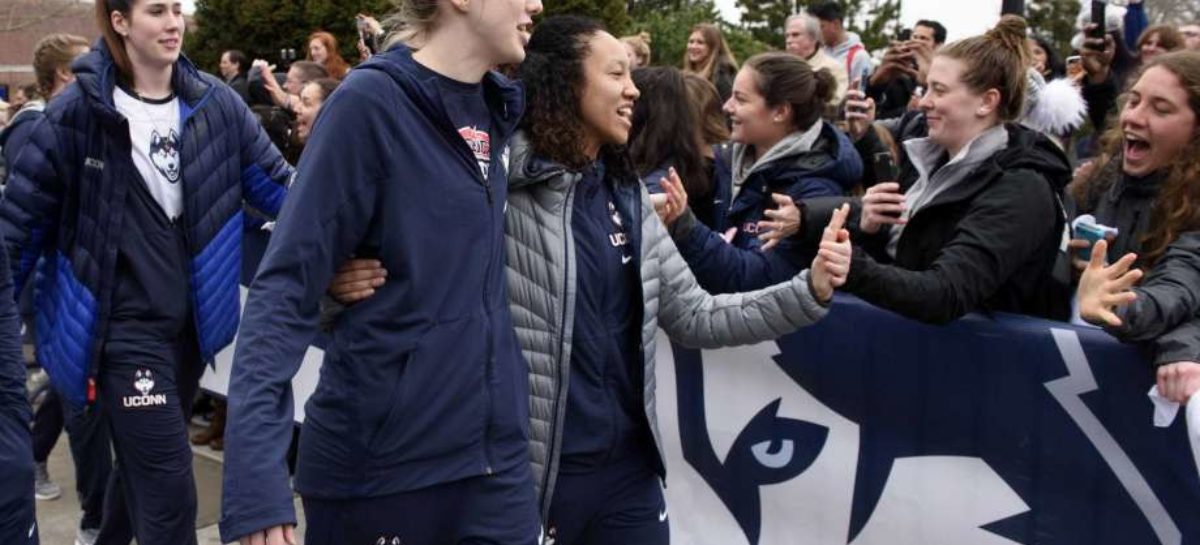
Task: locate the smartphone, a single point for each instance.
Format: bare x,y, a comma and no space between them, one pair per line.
1098,7
368,38
1073,59
885,168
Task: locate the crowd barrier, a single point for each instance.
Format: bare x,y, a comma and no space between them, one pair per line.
871,429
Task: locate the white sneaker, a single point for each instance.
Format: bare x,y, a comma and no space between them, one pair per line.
87,537
43,487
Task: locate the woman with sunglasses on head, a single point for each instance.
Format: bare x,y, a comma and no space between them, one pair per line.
131,192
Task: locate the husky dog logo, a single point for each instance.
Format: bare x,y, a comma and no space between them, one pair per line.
383,540
828,417
143,381
164,153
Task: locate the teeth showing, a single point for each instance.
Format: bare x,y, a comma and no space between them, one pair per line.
625,112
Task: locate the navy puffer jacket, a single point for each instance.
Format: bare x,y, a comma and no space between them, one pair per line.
64,204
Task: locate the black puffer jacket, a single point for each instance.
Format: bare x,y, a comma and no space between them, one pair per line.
990,242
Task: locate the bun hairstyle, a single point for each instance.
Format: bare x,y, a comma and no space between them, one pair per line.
782,78
996,60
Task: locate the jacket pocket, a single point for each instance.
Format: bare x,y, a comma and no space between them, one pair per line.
435,406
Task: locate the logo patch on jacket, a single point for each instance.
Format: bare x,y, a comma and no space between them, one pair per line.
480,143
164,153
143,382
619,238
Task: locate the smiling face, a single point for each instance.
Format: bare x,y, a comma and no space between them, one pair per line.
1157,123
1151,47
1040,59
153,32
755,123
306,112
956,114
504,27
798,41
229,69
607,95
317,51
697,48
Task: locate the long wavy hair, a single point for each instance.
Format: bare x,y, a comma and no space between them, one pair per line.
334,64
553,78
664,128
718,52
1177,208
705,102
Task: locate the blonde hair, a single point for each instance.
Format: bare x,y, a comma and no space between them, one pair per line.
640,44
411,23
53,53
996,60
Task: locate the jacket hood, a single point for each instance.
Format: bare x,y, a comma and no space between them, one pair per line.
832,156
524,169
1032,150
505,98
30,111
527,169
852,39
96,77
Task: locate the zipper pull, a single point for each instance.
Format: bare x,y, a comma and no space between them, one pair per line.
91,392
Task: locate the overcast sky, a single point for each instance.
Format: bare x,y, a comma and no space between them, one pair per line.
961,19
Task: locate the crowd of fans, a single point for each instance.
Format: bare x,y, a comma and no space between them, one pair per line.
996,173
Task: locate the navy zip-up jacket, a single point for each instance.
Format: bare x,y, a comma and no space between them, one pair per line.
423,383
16,452
65,203
832,168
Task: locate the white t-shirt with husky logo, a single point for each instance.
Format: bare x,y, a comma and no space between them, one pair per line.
154,133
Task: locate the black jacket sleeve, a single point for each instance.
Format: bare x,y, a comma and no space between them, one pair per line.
1169,295
1000,231
1101,100
1179,344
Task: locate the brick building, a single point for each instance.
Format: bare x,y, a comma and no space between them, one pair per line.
24,22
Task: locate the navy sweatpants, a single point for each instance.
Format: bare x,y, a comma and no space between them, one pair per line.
147,390
497,509
90,451
617,503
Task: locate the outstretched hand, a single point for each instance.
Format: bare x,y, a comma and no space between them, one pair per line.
832,264
1103,288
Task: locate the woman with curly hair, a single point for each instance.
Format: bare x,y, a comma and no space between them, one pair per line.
1147,187
593,275
708,55
323,50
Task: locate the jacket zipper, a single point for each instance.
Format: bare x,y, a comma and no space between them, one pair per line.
551,450
489,363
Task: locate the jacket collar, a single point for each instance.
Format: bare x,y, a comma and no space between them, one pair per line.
96,76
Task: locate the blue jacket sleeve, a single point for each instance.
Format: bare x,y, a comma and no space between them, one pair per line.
1136,22
324,218
29,209
721,267
265,173
16,453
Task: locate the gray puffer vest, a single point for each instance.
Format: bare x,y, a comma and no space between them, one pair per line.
542,288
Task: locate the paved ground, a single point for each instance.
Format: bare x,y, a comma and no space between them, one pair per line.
57,519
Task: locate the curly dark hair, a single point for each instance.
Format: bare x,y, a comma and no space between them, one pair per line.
664,128
553,77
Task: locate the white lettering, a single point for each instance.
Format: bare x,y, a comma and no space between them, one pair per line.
145,401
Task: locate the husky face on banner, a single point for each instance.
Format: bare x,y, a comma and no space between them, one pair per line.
869,429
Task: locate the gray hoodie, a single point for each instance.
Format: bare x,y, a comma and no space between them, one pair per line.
860,64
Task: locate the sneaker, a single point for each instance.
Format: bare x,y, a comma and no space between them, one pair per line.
87,537
43,487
